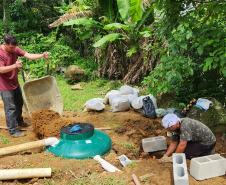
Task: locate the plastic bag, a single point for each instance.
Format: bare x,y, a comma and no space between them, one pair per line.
148,108
95,104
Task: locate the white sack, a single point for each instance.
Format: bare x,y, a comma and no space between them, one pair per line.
95,104
112,92
120,104
111,98
125,90
130,97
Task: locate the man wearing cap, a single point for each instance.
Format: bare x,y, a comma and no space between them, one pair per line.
9,86
189,136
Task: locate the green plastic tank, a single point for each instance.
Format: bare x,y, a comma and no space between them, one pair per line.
81,141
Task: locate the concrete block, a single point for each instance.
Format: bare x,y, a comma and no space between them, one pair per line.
207,166
153,144
180,172
124,160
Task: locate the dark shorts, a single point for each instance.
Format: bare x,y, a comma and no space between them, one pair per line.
194,149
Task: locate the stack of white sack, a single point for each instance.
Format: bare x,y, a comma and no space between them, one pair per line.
121,99
137,103
96,104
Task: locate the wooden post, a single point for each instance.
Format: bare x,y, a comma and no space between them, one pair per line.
21,147
135,179
27,146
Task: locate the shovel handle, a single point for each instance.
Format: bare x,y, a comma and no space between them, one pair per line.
23,76
47,67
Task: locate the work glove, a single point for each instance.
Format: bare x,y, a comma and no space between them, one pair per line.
165,159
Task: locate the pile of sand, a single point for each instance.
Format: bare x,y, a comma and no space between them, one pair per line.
47,123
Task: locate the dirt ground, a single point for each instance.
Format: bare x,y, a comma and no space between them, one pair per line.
127,131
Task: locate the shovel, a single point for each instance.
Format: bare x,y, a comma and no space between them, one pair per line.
42,93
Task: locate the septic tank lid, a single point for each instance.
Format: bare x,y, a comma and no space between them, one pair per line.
77,131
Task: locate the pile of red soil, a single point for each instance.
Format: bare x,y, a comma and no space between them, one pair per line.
47,123
136,130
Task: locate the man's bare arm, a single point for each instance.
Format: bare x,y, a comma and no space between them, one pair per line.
36,56
172,147
6,69
181,146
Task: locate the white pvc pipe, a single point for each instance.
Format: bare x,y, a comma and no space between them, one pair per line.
106,165
51,141
9,174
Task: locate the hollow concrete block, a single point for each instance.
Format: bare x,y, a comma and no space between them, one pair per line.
207,166
153,144
180,172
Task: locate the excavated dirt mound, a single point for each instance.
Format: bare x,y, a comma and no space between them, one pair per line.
47,123
139,129
134,130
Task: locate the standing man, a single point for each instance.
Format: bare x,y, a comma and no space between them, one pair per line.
189,136
9,85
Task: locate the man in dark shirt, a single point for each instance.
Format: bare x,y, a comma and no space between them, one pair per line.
9,85
189,136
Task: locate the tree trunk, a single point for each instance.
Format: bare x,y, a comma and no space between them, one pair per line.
138,69
6,16
114,65
117,66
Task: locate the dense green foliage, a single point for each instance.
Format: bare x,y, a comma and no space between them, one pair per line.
30,15
194,60
181,43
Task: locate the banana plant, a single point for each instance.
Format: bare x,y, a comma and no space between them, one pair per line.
133,16
126,22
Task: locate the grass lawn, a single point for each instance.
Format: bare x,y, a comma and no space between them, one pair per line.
74,100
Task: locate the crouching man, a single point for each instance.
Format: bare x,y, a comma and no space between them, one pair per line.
189,136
